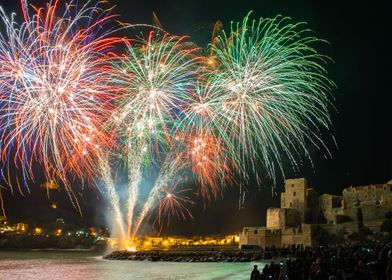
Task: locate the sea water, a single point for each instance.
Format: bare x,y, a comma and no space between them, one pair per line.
64,265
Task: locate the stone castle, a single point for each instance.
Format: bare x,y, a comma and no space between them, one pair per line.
302,212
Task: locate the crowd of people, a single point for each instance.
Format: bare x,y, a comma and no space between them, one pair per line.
367,261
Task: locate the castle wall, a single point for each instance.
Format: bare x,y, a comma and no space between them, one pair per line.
373,212
374,226
330,206
386,199
302,236
328,201
278,218
273,238
337,229
252,236
311,207
260,237
331,214
349,214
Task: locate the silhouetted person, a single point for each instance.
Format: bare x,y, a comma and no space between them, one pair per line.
255,275
273,269
266,270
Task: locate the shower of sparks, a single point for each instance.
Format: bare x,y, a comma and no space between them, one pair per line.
268,93
56,91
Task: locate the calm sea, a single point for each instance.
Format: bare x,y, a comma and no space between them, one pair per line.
42,265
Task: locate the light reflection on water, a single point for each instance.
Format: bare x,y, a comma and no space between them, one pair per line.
39,265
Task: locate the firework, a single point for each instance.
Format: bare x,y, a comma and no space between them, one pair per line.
267,93
174,202
156,75
205,156
56,90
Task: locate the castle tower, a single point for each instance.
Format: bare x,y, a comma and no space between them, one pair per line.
295,195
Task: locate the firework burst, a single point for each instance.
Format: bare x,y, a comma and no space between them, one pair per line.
268,93
157,75
56,89
173,202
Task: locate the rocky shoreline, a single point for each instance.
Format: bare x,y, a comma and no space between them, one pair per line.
188,256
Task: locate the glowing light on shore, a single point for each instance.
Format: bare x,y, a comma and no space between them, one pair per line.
131,249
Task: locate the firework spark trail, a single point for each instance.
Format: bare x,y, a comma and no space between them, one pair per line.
134,180
56,92
168,173
114,201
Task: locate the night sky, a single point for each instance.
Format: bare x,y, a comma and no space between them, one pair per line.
360,45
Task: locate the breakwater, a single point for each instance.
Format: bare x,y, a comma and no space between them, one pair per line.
189,256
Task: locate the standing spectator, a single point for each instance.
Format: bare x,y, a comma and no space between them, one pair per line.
255,275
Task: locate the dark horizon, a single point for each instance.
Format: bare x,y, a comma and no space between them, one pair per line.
360,124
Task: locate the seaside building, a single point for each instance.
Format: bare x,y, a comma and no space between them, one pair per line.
357,206
302,212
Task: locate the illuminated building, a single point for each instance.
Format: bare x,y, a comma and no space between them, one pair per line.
21,227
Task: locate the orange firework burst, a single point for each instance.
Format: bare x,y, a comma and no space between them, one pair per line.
174,202
209,163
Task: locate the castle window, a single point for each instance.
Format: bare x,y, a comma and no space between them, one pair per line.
294,193
292,185
255,232
291,204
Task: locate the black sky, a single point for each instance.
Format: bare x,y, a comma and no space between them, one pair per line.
359,33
